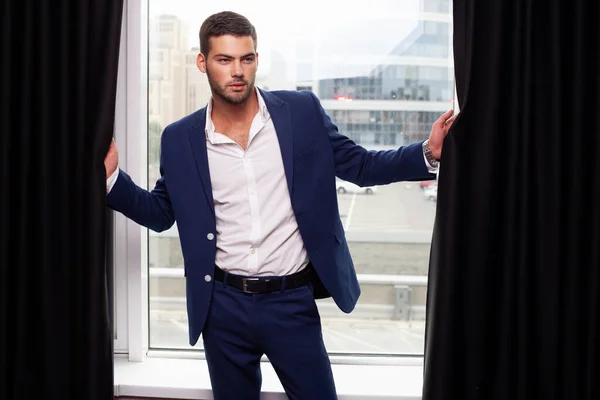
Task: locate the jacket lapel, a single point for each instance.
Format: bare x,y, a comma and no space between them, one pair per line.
197,139
280,113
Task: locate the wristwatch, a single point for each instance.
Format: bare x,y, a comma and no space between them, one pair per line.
429,156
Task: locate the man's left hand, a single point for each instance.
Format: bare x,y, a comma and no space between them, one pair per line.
439,130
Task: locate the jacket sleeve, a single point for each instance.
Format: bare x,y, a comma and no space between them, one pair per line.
151,209
354,163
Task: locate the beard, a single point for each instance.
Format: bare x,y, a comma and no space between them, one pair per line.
231,97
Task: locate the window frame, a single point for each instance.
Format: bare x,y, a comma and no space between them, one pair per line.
130,239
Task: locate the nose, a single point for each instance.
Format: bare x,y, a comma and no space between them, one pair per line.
236,69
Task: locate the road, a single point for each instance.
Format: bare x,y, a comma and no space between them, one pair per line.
395,207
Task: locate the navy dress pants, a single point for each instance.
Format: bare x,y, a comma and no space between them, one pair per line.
285,326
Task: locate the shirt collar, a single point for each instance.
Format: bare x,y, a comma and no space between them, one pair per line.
209,128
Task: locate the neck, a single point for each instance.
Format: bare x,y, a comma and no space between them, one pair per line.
236,112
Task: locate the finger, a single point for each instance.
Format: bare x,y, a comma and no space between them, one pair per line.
450,121
444,117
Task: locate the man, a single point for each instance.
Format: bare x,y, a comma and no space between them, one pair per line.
250,180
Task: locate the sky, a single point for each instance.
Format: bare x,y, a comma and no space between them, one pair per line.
326,29
278,19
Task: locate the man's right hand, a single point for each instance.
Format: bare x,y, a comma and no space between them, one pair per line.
111,161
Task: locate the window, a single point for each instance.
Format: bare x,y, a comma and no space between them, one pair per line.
384,78
437,6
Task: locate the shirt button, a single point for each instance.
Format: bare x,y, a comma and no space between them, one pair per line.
207,278
252,251
210,236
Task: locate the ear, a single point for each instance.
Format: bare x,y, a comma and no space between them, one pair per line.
257,59
201,62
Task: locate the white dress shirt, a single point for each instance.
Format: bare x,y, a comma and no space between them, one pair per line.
257,232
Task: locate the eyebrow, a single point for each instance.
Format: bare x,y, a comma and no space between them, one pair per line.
230,57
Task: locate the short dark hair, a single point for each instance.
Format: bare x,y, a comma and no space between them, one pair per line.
225,23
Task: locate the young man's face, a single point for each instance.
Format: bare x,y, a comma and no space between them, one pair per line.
230,67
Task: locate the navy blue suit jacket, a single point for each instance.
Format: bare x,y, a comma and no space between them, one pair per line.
313,154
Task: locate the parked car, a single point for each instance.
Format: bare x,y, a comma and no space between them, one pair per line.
430,193
426,184
349,187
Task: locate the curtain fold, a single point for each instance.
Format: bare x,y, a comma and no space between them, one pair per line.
58,77
514,285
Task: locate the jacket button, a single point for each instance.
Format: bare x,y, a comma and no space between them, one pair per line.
207,278
210,236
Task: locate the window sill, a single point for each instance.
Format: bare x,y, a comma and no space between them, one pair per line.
171,378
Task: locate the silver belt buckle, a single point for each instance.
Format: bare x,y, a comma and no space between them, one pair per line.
245,285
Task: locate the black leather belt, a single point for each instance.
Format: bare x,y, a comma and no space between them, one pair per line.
258,285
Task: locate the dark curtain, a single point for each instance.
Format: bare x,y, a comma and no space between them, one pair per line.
514,295
58,85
